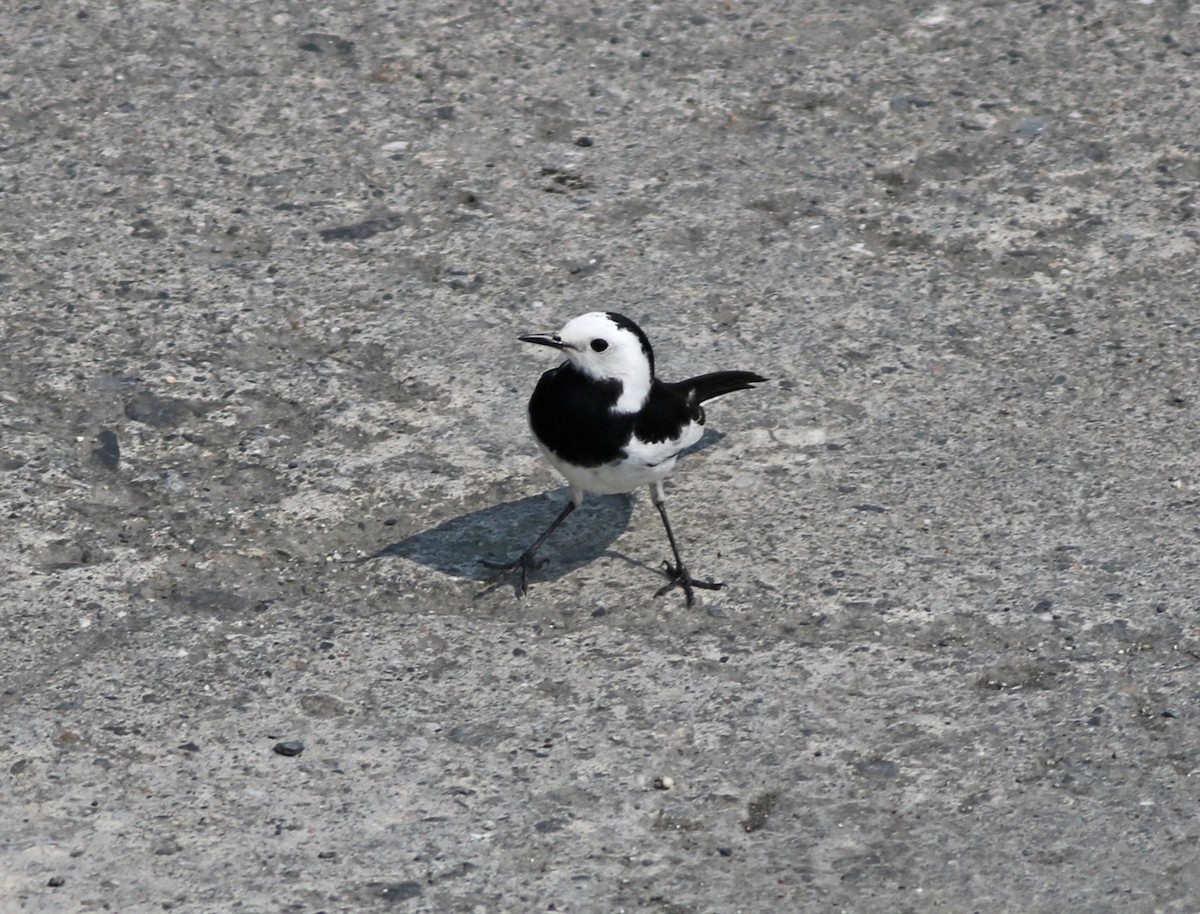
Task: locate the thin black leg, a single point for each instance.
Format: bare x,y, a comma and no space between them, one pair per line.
677,573
525,562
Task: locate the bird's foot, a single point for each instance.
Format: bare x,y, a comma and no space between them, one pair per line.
678,576
525,564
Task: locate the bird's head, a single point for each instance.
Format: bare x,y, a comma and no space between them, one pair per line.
607,347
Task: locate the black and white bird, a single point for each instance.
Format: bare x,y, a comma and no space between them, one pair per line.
607,424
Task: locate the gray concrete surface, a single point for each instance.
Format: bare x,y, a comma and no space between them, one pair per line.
263,269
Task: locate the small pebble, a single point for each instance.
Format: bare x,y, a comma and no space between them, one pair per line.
664,783
56,881
289,747
167,847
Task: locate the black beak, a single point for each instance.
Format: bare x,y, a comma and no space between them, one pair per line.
545,340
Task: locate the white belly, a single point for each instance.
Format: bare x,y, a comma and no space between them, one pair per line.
644,465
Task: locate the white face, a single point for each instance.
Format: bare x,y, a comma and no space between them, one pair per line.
604,350
600,348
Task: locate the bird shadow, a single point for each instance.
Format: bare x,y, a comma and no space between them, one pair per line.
501,532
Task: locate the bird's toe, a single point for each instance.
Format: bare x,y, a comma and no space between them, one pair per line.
679,576
525,564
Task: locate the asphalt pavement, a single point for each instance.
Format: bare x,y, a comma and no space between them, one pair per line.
263,267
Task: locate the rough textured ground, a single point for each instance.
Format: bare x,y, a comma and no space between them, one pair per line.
262,270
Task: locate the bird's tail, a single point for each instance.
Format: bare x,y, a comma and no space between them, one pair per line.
706,386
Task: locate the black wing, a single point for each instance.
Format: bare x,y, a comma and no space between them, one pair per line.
667,412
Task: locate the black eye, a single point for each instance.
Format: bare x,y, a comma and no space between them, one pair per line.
599,345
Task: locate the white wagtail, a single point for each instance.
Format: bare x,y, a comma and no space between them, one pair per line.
608,425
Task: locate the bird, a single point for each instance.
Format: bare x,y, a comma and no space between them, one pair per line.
608,425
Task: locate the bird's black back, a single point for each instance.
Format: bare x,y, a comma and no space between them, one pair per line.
572,415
